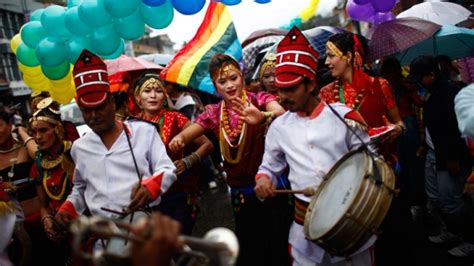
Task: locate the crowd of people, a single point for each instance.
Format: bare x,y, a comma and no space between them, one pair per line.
150,145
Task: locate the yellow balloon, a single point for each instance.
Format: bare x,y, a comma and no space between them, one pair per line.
62,95
41,86
31,71
15,42
309,11
33,79
64,82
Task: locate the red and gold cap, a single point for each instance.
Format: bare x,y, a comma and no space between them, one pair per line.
295,60
91,80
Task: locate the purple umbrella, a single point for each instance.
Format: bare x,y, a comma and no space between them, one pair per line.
394,36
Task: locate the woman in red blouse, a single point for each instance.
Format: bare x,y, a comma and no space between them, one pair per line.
372,97
180,201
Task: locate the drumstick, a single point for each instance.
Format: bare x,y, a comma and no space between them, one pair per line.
308,192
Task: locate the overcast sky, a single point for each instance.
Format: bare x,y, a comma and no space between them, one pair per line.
248,16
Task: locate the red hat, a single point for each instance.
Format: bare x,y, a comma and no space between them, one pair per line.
91,79
296,59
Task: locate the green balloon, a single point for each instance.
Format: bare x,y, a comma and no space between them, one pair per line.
74,23
26,55
53,21
117,53
131,27
76,45
93,13
36,15
32,33
157,17
56,72
51,51
105,41
121,9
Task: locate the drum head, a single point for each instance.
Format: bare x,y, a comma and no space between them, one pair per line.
336,194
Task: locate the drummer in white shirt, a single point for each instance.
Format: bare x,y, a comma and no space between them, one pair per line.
110,158
310,139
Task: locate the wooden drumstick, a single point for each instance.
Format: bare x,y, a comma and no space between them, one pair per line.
308,192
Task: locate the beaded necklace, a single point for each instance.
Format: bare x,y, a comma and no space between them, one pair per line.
339,96
227,136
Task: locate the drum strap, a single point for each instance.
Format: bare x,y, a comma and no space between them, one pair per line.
362,147
300,211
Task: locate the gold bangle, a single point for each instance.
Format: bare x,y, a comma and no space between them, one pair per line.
25,142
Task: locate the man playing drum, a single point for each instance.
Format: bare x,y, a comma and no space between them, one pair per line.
310,139
109,159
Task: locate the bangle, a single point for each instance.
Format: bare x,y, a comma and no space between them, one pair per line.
48,216
191,160
268,118
404,129
25,142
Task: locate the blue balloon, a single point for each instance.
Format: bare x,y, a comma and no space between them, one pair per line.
131,27
230,2
157,17
105,41
74,23
154,2
262,1
188,7
75,47
51,51
36,15
32,33
53,21
93,13
56,72
122,8
118,52
26,55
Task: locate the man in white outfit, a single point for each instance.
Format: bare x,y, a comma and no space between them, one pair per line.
310,139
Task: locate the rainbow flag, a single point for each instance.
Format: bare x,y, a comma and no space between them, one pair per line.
189,67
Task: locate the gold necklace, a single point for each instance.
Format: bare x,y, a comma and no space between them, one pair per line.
49,193
225,142
50,164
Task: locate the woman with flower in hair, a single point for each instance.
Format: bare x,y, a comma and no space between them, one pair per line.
180,201
53,171
374,99
240,121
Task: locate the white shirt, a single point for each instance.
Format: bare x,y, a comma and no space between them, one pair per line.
310,147
105,178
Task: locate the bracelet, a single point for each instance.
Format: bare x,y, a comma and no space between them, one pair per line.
25,142
191,160
48,216
268,118
403,127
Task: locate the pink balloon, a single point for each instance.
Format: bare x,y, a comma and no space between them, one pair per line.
359,12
